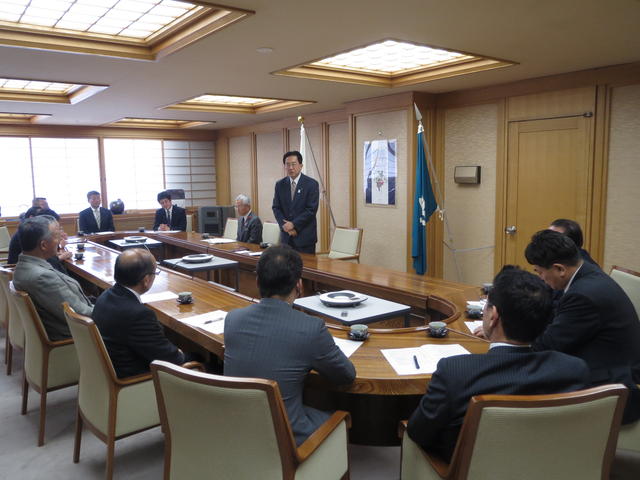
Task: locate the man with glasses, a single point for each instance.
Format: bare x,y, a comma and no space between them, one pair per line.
47,287
517,312
130,330
295,204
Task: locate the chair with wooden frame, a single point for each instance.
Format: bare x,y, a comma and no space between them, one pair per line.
112,408
231,228
271,233
630,283
5,238
345,244
14,333
566,435
228,427
48,365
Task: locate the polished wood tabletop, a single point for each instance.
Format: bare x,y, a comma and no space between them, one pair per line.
374,374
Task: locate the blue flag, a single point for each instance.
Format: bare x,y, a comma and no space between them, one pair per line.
423,207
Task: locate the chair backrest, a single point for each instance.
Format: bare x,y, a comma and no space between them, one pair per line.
231,228
222,426
5,278
5,238
630,283
271,233
346,242
97,375
189,222
568,435
14,325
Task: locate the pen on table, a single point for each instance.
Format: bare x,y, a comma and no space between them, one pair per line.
415,360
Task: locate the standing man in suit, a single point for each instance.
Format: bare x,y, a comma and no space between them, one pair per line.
47,287
516,312
95,218
130,330
594,319
272,340
249,224
295,204
170,216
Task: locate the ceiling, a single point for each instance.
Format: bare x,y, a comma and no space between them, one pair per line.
544,37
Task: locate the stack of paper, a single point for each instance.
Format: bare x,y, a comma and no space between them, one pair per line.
156,297
347,346
472,325
212,322
219,240
420,360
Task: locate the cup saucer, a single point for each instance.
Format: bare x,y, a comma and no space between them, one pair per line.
184,302
358,338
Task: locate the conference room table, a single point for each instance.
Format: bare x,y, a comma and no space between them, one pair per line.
379,397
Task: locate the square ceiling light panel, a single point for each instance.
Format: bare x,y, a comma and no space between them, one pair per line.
393,63
140,29
235,104
21,118
43,91
156,123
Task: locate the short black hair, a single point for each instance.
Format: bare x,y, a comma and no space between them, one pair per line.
133,266
32,212
164,194
91,193
293,153
279,269
548,247
33,230
48,212
571,229
523,301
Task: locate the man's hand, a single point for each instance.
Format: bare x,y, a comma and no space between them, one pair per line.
293,232
479,332
64,255
163,227
288,226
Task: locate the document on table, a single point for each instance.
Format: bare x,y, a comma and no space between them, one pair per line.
156,297
103,233
212,322
347,346
420,360
219,240
472,325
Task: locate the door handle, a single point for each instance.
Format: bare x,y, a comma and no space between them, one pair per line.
510,230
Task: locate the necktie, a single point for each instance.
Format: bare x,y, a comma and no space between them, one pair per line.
241,225
168,217
96,213
293,190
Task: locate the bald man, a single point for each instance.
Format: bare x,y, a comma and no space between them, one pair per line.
130,330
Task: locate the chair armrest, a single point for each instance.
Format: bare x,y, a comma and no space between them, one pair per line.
194,366
311,444
124,382
61,343
402,428
440,466
350,257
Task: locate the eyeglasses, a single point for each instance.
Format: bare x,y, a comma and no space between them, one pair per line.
288,165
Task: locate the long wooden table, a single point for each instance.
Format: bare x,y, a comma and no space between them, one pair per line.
377,385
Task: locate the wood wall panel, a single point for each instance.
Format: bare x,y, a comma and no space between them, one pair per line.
240,172
269,170
339,173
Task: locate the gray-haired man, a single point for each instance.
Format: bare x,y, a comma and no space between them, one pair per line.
249,224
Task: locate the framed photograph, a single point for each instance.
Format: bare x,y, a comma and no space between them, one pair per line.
380,170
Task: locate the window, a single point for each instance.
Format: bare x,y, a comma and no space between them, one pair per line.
190,166
134,171
16,190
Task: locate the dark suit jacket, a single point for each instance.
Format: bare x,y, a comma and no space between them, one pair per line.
251,230
131,332
504,370
272,340
178,218
596,321
88,221
302,211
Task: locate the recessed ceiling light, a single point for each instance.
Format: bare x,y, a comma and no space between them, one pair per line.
21,118
391,63
236,104
156,123
27,90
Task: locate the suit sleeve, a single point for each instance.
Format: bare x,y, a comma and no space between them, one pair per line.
181,224
146,337
329,360
255,231
52,291
82,221
308,214
158,220
432,415
110,226
575,323
277,206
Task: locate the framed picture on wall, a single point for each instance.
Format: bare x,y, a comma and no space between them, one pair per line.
380,170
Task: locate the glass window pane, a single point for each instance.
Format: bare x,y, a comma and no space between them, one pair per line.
15,195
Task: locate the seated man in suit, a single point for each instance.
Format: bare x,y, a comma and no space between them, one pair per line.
594,319
272,340
516,312
47,287
42,203
170,216
95,218
130,330
572,230
249,224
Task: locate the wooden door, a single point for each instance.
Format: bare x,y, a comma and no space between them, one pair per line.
549,173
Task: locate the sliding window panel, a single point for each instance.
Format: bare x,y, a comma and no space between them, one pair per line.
16,189
64,170
134,171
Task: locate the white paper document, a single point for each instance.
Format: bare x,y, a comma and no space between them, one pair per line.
102,233
156,297
347,346
420,360
219,240
212,322
472,325
255,254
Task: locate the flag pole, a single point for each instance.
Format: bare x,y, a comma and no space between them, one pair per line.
442,213
304,139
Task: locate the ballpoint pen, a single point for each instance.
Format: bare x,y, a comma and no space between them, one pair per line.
415,361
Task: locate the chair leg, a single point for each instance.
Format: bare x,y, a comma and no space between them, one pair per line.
9,354
25,394
6,345
43,416
78,440
111,445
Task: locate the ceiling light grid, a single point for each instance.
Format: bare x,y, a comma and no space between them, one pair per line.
236,104
27,90
131,122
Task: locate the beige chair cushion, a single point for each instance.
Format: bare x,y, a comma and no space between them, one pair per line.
231,229
629,437
329,461
345,242
271,233
630,284
414,463
5,238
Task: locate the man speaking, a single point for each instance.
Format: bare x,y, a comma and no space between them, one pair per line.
295,204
